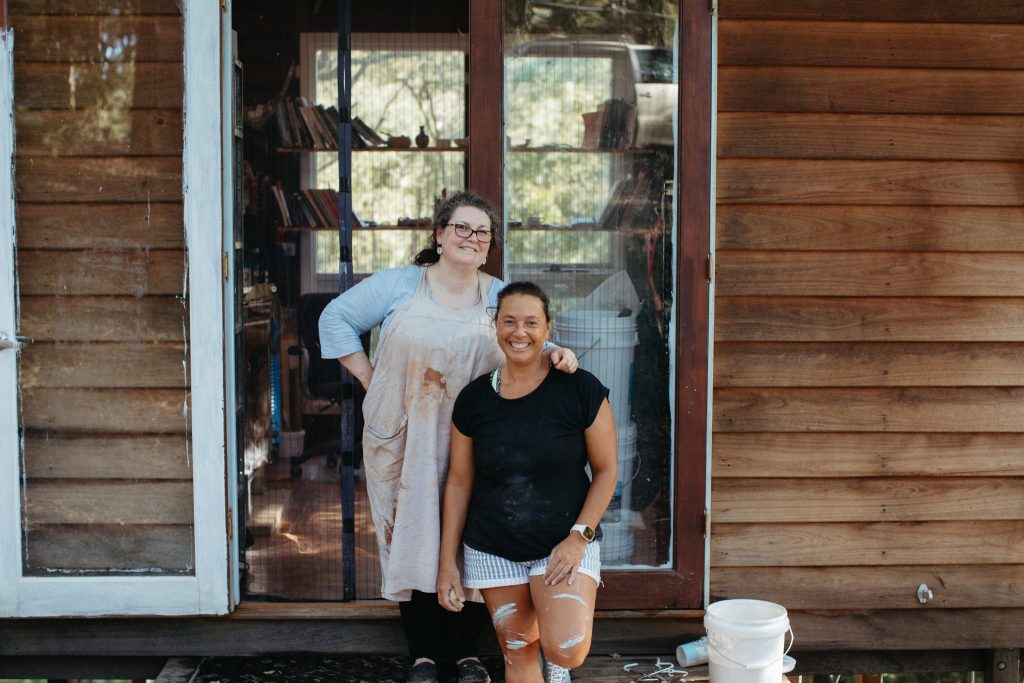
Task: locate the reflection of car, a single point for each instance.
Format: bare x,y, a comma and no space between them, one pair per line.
642,75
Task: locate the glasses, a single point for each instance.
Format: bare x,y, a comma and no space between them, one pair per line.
465,232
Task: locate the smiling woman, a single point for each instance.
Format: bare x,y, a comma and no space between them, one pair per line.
437,334
519,502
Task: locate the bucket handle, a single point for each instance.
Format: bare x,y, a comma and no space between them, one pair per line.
756,666
589,349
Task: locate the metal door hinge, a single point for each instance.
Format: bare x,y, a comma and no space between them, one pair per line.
17,343
709,268
705,522
712,6
231,523
224,265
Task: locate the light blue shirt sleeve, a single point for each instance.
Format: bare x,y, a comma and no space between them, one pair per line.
360,309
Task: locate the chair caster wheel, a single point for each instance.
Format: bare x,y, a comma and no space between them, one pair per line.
332,461
296,471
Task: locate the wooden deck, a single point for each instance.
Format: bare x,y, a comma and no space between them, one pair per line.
356,669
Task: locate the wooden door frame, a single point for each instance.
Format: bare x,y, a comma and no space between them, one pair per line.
681,586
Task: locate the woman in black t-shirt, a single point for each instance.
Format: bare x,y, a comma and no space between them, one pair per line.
518,499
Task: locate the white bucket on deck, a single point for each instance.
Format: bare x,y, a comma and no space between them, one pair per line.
604,344
746,641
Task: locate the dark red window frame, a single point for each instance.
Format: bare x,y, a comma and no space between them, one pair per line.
681,586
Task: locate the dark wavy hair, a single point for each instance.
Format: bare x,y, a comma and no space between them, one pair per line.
526,289
443,213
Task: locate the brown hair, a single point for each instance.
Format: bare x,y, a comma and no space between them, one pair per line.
525,289
443,213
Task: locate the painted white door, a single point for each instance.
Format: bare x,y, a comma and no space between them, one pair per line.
112,421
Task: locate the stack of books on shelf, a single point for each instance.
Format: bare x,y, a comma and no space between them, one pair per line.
307,208
612,126
632,204
304,125
363,136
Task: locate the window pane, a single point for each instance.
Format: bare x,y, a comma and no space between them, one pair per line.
590,165
402,86
106,468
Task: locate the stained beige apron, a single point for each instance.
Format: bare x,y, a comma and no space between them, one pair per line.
427,354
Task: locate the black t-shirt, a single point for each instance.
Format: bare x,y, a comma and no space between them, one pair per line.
529,455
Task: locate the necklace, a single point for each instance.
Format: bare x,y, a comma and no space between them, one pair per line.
496,381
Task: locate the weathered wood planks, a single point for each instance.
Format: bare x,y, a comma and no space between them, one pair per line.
844,544
885,44
103,364
113,39
939,11
868,136
101,277
85,273
863,588
869,90
866,454
870,228
92,132
99,547
129,456
828,319
869,317
103,318
875,364
144,85
143,225
94,502
869,409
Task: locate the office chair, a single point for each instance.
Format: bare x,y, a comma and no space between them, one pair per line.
321,384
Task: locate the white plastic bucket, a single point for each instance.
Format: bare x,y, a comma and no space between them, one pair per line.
604,344
617,543
622,498
746,641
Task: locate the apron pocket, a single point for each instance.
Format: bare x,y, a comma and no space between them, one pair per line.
383,456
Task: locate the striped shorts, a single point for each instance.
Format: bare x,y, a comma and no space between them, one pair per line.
483,570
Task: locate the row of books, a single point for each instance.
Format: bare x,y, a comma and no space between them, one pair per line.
302,124
306,208
633,203
612,126
314,126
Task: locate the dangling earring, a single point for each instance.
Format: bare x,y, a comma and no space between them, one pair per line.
485,261
440,250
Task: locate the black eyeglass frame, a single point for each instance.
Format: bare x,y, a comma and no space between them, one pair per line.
465,232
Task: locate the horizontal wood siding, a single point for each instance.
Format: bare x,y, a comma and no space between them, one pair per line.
868,414
101,278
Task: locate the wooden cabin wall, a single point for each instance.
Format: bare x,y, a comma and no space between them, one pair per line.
101,272
868,425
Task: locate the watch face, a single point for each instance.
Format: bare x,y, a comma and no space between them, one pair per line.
589,533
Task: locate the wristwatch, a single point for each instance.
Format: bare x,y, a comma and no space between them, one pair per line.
585,531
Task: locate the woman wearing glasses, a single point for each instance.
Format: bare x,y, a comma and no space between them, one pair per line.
437,334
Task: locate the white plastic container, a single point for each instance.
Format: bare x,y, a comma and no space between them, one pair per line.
746,641
693,653
604,344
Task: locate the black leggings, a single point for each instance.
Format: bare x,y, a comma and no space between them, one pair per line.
435,633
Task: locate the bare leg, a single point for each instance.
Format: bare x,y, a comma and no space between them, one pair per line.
515,623
565,615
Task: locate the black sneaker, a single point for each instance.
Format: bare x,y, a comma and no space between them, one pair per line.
472,671
424,672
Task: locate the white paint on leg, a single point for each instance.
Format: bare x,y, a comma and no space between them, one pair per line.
572,642
571,596
503,612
